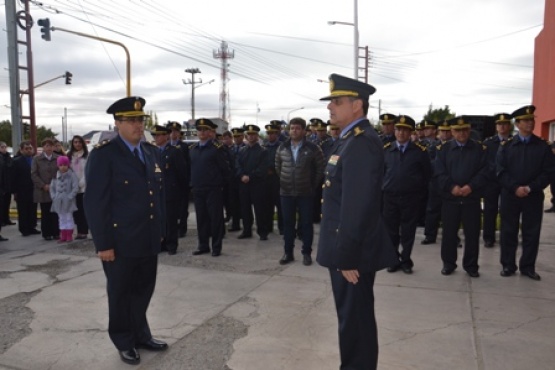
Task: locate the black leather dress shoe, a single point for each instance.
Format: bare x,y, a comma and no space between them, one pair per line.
2,239
263,237
392,268
447,271
216,253
286,259
231,229
172,252
153,345
550,210
307,260
130,356
406,269
48,238
489,243
473,274
244,236
532,275
506,272
198,252
34,232
427,241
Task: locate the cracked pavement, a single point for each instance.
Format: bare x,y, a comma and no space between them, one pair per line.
244,311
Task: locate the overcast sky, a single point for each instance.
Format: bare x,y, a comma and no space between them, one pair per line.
475,56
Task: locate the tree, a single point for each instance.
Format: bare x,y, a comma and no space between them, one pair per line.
6,133
439,114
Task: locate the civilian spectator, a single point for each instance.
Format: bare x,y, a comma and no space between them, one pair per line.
78,154
23,190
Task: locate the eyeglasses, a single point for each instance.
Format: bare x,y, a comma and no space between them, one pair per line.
140,119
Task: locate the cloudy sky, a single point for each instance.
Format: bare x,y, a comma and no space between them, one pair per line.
475,56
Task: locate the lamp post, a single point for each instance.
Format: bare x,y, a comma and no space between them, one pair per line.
291,111
192,81
355,26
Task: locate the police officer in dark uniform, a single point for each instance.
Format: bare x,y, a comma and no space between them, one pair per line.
461,167
525,165
327,146
322,138
251,167
209,172
388,128
406,177
238,134
430,133
124,207
354,242
493,189
175,140
175,182
273,199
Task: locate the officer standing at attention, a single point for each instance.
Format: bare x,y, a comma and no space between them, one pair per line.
461,167
124,207
272,198
209,172
174,169
354,242
525,165
493,189
175,140
407,174
388,128
251,168
238,135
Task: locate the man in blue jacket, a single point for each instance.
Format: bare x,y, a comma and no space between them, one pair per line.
354,242
124,206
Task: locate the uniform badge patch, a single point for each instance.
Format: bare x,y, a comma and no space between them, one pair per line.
333,159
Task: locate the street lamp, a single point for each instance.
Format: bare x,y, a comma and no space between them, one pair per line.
192,81
291,111
355,25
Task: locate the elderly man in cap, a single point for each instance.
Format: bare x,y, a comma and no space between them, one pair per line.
525,165
493,189
354,242
461,168
251,168
176,183
407,174
124,207
209,173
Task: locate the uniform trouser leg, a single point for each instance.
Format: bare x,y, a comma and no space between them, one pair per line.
317,210
532,215
130,284
235,205
203,218
172,215
470,215
184,212
433,213
451,219
246,208
26,222
215,205
79,216
491,209
409,221
358,332
259,200
392,218
510,216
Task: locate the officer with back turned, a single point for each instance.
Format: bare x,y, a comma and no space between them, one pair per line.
209,172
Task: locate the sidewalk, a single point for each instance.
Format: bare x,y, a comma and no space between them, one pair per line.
243,311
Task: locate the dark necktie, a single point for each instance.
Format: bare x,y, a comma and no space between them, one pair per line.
136,153
402,148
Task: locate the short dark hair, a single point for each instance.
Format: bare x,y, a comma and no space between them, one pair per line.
25,143
298,121
47,140
226,133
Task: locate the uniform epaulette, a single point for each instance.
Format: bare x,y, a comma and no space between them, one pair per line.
484,147
101,144
194,145
346,135
358,131
423,147
177,146
387,145
217,145
438,147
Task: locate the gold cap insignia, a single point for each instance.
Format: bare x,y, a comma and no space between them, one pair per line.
137,105
402,120
528,111
460,121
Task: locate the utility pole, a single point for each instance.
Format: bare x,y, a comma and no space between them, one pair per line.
13,67
192,82
224,54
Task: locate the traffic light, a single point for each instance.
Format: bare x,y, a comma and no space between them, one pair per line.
68,77
45,28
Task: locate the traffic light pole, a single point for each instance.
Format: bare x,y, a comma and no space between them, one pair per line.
128,62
